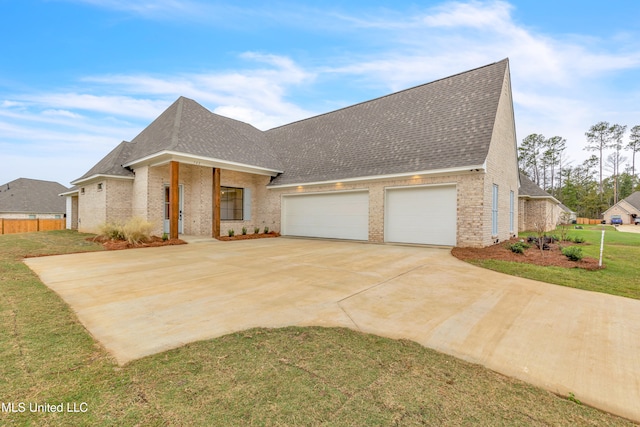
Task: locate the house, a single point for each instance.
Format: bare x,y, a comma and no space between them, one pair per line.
628,209
435,164
538,208
567,215
26,198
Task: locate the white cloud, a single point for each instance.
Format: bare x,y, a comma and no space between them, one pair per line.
474,14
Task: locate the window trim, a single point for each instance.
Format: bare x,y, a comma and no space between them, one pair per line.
511,210
494,211
223,212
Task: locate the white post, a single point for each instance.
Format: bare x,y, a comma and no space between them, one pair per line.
601,247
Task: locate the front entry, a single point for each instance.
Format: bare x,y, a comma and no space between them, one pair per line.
166,209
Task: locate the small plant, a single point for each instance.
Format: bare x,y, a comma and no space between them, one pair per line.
574,253
572,398
165,237
518,248
266,230
231,232
256,230
244,231
578,239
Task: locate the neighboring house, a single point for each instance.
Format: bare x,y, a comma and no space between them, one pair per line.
567,214
537,207
26,198
435,164
628,209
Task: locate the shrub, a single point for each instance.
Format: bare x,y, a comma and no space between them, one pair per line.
231,232
111,230
518,247
578,239
137,230
244,231
574,253
266,230
256,230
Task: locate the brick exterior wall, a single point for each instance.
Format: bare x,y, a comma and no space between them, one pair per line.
501,169
91,207
535,213
110,203
118,199
468,194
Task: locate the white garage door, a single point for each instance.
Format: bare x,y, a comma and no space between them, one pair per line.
332,215
424,215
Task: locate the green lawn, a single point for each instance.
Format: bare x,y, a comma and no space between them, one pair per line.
287,377
621,259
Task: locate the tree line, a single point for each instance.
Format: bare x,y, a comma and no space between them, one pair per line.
596,184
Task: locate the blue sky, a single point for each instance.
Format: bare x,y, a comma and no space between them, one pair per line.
79,76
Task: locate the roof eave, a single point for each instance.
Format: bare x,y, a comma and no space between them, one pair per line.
540,197
166,156
435,172
99,176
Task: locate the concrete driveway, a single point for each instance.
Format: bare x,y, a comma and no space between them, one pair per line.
629,228
140,302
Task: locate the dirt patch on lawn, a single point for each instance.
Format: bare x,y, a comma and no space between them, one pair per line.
248,236
551,257
154,241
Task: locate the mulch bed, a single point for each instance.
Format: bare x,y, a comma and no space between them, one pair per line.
248,236
552,257
154,241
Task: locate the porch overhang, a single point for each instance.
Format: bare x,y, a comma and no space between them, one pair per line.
165,157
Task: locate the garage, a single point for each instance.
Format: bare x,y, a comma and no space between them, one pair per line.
336,215
421,214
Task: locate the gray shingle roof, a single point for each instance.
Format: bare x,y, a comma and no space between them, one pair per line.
187,127
111,164
529,188
440,125
32,196
634,200
444,124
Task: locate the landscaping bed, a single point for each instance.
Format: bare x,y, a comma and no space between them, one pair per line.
248,236
533,255
153,241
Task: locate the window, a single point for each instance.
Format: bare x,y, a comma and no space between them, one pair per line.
494,211
82,190
231,204
511,210
32,216
100,187
58,216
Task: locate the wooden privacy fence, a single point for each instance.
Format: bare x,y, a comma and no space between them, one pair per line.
11,226
588,221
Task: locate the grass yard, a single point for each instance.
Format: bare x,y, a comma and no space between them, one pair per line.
621,258
288,377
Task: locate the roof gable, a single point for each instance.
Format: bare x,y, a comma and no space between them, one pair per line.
634,200
187,127
32,196
111,164
445,124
